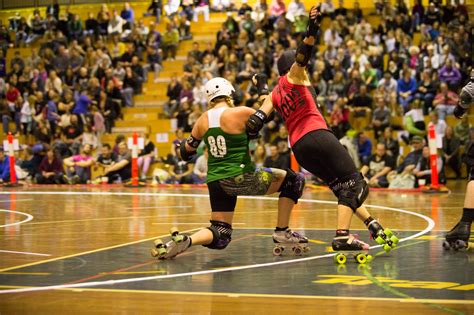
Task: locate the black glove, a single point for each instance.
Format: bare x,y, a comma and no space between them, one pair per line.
459,111
314,23
185,155
260,82
255,123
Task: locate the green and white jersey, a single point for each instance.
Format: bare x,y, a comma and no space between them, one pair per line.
228,154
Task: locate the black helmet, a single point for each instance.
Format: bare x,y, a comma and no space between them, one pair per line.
286,60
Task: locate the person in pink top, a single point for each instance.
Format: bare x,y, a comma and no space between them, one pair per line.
277,9
78,167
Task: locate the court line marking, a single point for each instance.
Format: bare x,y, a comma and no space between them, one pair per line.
29,217
22,253
258,295
430,226
17,200
136,208
87,252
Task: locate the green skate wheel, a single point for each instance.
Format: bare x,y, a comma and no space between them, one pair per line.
380,240
388,232
340,259
158,243
361,258
387,248
158,252
370,258
178,238
394,240
174,231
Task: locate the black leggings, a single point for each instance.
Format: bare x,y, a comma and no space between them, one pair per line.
323,155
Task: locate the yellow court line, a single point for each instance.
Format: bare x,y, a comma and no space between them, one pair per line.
87,252
26,273
133,272
257,295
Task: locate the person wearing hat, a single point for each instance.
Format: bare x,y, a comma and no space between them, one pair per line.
411,160
232,173
315,147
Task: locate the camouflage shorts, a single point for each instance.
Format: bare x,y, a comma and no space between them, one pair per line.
255,183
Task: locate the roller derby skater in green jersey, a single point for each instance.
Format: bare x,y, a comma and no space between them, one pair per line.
458,237
315,147
231,173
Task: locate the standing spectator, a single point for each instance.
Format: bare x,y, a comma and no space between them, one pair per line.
146,156
451,146
406,89
445,101
376,169
170,42
51,169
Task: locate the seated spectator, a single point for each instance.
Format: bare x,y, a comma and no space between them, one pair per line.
89,137
440,125
422,170
181,172
451,146
78,167
392,145
461,130
410,161
4,166
92,26
381,116
146,156
295,8
200,169
75,27
173,93
282,136
370,76
182,115
51,169
361,108
426,91
201,6
72,134
120,171
170,42
155,9
445,101
364,147
116,24
154,62
376,169
450,75
259,155
275,160
414,121
406,89
171,8
128,15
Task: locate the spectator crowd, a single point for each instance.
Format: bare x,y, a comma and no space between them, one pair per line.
375,82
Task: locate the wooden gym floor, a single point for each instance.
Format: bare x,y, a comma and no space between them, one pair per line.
86,250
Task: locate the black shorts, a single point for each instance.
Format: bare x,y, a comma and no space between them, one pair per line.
323,155
223,193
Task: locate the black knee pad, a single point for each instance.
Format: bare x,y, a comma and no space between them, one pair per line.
351,191
221,233
292,186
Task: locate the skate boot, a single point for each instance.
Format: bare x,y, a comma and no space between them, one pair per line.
382,236
458,237
296,241
350,245
178,244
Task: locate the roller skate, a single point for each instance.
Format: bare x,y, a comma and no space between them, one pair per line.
297,242
458,237
178,244
350,245
382,236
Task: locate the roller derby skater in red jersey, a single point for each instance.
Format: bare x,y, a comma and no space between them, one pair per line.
314,145
458,237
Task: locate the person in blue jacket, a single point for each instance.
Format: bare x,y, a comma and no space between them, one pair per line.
4,166
406,89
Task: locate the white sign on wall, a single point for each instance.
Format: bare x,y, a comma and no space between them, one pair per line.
6,146
162,138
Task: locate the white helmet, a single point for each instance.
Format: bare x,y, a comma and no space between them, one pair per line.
218,87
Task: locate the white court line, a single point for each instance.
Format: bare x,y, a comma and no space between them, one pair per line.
430,226
197,223
22,253
29,217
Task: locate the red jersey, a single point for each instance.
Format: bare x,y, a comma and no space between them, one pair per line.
296,104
